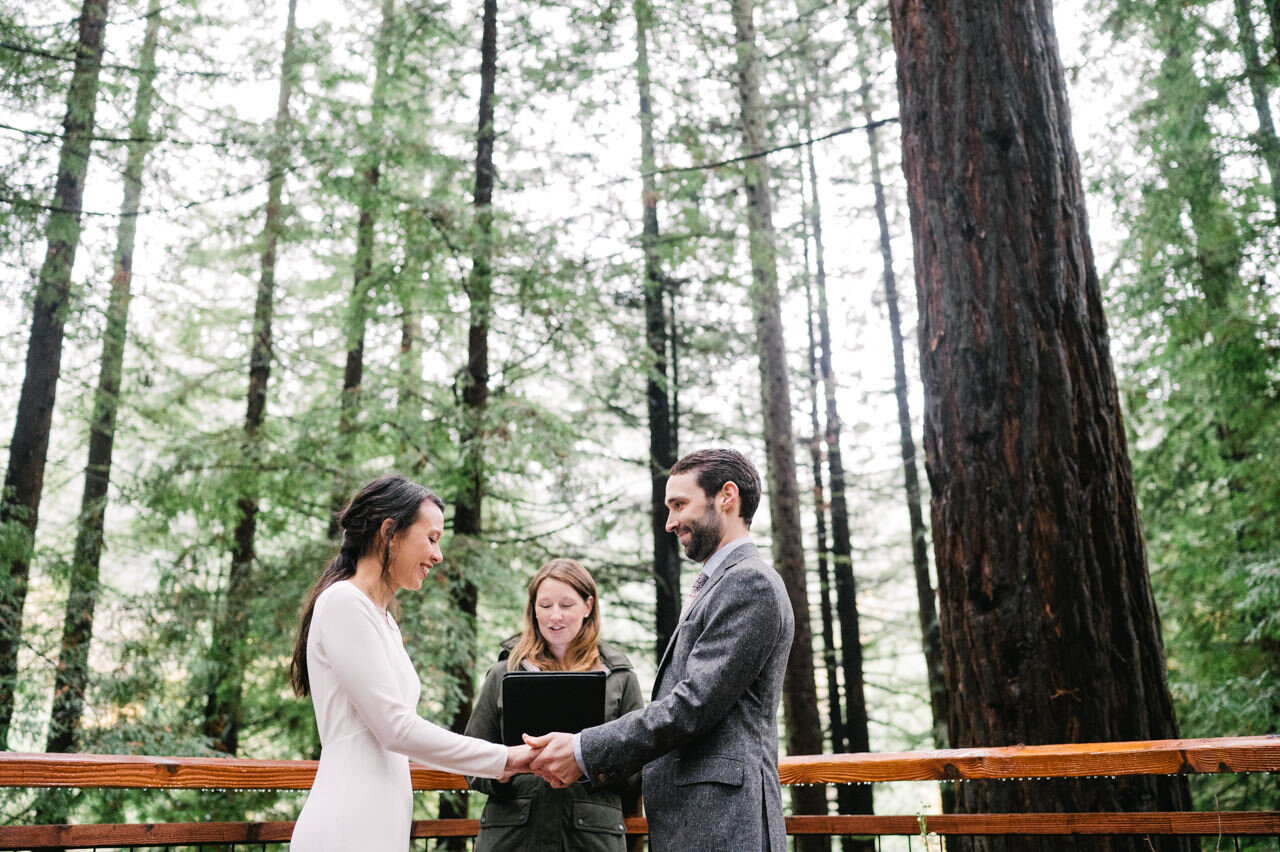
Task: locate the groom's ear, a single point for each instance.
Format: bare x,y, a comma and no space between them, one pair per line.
728,498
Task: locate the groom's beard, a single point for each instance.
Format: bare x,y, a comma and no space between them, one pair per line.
704,536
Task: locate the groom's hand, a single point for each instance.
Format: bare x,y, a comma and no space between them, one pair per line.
553,758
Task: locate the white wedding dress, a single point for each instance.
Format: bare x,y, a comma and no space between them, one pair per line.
365,692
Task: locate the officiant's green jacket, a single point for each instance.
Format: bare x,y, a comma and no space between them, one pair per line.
526,813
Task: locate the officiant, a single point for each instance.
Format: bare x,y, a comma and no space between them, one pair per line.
561,633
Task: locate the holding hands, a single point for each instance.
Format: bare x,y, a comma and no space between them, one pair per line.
518,759
549,756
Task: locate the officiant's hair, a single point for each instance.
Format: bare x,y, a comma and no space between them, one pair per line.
716,467
583,653
393,497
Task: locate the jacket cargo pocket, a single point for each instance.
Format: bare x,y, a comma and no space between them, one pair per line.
714,769
505,812
598,818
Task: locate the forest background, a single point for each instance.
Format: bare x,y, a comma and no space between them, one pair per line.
441,238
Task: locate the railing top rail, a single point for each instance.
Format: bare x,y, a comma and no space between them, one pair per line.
1153,757
1074,760
134,771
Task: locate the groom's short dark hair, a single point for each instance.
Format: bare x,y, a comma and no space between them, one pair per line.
716,467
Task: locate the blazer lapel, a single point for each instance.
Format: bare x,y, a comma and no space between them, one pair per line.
739,553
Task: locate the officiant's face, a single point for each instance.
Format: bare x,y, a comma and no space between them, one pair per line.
560,611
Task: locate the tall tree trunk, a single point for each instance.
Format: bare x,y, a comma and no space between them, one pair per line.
1273,15
467,517
29,449
930,635
852,798
409,376
71,679
1049,629
662,428
829,650
358,306
1268,146
800,696
227,652
1192,166
925,596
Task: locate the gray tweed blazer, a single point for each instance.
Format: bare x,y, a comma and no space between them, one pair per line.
709,739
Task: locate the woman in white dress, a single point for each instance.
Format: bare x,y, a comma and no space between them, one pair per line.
351,660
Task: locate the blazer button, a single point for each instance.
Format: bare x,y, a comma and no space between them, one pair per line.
601,777
579,820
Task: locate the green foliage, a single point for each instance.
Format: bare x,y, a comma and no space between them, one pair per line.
1204,400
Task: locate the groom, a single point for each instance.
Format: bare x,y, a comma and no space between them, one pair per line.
709,739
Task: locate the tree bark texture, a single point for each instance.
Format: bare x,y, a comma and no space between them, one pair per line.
71,679
467,518
800,698
228,652
29,449
1049,629
663,448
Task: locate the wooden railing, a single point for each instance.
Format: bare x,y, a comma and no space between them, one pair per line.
1159,757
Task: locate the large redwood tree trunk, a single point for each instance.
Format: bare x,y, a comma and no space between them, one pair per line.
1049,629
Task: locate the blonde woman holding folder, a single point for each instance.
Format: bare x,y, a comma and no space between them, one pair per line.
561,633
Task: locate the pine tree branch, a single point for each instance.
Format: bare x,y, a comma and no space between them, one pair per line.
63,57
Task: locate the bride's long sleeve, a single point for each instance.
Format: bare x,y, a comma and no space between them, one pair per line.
347,631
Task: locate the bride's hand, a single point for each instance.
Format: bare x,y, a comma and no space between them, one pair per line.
518,759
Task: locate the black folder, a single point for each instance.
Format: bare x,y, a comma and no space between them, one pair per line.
537,703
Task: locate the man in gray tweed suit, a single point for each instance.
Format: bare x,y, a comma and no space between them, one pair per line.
709,739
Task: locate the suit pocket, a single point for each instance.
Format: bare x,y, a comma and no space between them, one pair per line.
713,769
597,818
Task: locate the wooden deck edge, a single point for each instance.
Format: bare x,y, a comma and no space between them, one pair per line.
1156,757
1232,823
